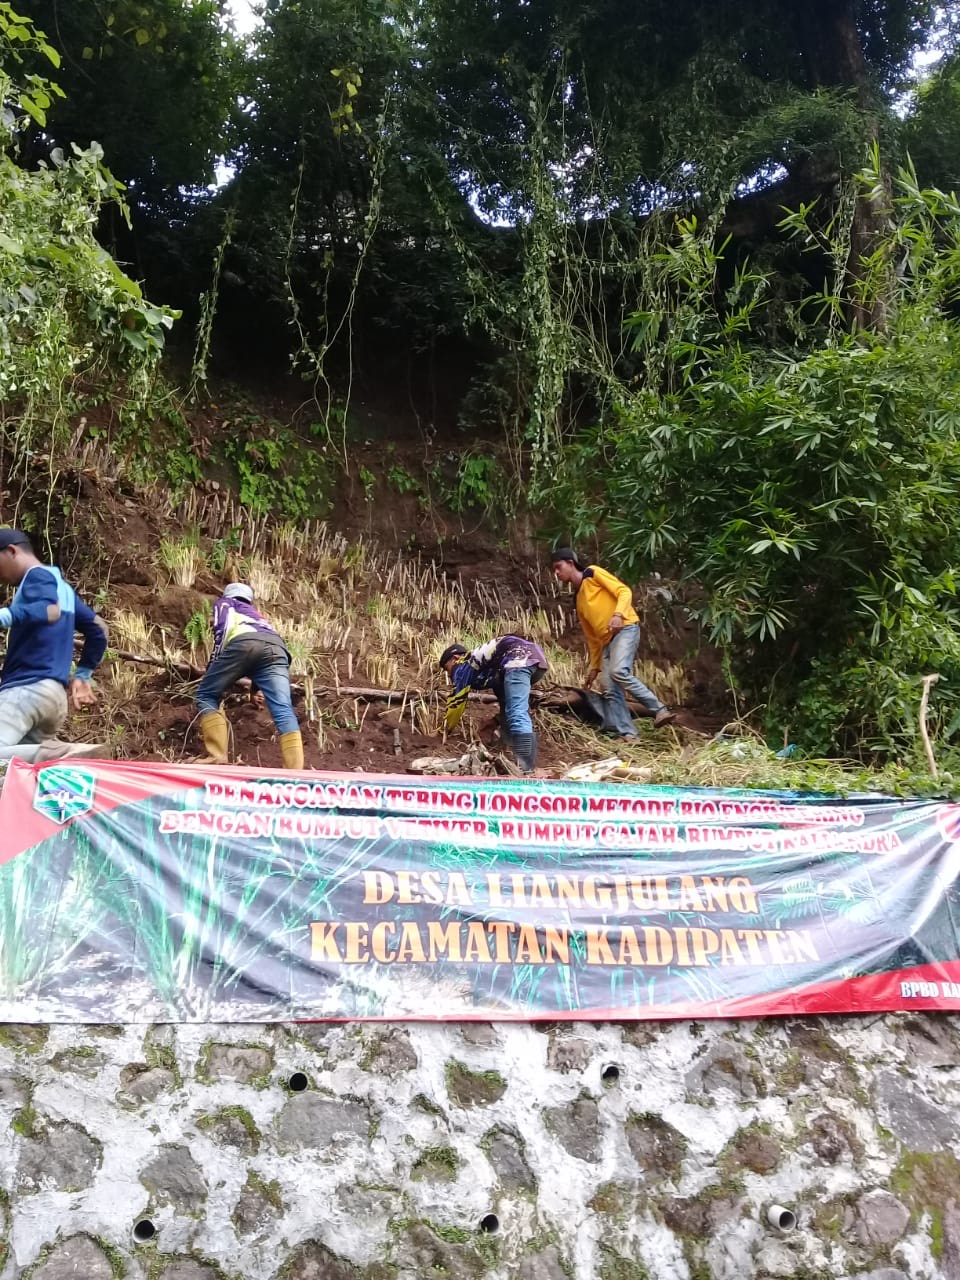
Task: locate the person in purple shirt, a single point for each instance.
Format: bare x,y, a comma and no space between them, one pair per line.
245,644
42,618
510,666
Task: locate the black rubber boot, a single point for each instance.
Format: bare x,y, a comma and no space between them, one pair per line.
525,749
505,739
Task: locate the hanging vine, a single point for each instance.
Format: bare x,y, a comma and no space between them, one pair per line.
208,311
309,359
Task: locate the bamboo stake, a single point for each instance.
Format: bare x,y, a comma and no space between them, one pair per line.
928,682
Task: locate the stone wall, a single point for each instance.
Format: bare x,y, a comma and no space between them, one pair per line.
373,1152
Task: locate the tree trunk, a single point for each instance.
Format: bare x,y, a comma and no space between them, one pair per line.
833,56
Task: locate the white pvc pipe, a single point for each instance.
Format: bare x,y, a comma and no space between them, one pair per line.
781,1218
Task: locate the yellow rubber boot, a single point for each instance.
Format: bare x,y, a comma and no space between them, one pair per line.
215,733
291,748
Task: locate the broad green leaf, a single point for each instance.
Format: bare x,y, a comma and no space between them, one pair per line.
32,109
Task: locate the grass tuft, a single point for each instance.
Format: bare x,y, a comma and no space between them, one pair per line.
182,558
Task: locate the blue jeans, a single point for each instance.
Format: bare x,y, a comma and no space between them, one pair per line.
617,679
267,663
513,694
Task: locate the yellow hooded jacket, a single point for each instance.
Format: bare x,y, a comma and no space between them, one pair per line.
599,596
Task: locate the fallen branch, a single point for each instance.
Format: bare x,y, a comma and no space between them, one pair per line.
372,695
396,695
168,664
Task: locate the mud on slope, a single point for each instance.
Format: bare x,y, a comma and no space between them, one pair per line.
353,614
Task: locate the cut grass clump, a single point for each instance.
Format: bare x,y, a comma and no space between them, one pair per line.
182,558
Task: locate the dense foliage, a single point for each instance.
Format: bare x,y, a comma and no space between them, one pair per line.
810,491
69,317
155,84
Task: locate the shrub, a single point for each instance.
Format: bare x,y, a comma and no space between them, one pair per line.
811,490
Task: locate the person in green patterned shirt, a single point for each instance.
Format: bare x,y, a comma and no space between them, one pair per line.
245,644
510,666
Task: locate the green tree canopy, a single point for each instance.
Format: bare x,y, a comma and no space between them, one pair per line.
154,84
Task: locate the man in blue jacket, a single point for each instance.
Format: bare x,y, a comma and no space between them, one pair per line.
42,618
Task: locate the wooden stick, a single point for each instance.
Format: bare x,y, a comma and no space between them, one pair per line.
928,681
167,664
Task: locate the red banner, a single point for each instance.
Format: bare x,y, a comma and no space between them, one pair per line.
143,893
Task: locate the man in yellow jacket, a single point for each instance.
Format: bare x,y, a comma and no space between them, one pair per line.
612,630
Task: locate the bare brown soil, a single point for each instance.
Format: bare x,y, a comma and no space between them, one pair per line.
356,735
113,558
